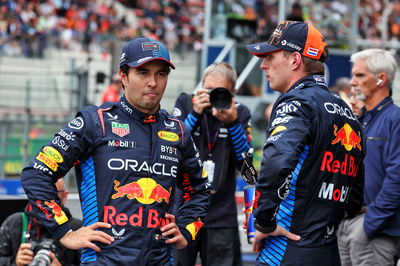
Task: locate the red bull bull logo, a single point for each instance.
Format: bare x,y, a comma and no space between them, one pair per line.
158,194
131,190
59,214
194,228
347,137
144,190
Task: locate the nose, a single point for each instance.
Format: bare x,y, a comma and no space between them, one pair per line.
263,64
152,81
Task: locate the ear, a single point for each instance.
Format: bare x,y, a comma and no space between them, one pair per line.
123,77
382,79
296,60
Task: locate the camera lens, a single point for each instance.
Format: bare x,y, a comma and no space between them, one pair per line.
221,98
41,258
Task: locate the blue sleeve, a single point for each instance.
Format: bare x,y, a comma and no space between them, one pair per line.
183,110
287,135
239,132
67,148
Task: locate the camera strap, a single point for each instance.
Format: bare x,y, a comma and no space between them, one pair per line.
210,141
24,226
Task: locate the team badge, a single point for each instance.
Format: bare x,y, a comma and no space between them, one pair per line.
120,129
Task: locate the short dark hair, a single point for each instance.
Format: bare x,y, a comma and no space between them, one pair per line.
313,66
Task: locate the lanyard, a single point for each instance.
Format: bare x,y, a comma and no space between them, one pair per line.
210,142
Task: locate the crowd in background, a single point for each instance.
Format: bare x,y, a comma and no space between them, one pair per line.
27,27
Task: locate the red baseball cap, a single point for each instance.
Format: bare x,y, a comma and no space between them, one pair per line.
292,36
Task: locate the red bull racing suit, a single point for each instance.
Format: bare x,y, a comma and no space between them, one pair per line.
128,166
311,174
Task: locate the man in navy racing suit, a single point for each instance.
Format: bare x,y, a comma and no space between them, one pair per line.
312,172
130,157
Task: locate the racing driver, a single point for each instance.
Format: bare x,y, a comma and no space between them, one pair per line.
130,157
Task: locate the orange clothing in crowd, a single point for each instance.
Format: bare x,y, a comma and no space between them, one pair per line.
112,93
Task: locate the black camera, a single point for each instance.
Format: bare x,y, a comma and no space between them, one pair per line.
221,98
41,250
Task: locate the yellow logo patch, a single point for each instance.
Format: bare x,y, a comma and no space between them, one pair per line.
204,173
53,154
170,136
278,129
44,158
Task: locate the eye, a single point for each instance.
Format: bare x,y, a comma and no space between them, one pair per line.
162,74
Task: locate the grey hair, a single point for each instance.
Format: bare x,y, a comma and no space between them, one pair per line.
224,69
378,60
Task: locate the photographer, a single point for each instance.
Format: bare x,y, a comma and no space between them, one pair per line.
220,128
18,248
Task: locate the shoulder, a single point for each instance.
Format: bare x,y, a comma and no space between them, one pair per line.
242,108
390,117
173,124
14,221
95,108
394,110
171,120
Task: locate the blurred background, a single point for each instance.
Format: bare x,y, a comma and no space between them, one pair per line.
57,56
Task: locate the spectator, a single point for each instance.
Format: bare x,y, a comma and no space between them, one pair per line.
130,158
297,13
342,88
373,237
18,238
356,101
221,135
301,196
113,91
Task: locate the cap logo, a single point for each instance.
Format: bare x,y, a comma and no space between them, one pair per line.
277,34
150,46
294,46
257,47
143,59
284,42
122,58
312,51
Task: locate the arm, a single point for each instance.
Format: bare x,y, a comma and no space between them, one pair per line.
356,196
288,134
183,110
51,162
193,183
70,145
387,202
239,133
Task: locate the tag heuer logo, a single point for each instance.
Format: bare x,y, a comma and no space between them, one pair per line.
120,129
